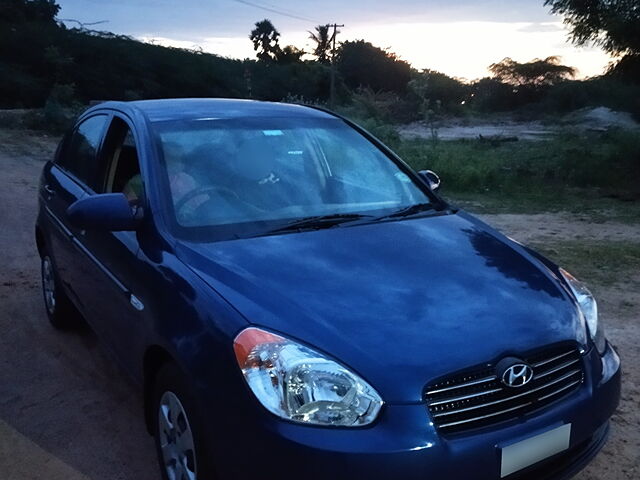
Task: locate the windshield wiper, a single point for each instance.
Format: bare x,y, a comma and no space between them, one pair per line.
319,221
408,211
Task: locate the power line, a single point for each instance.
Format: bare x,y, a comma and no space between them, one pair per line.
277,11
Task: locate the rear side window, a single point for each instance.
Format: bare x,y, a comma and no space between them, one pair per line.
79,155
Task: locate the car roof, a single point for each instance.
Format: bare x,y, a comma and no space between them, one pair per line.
220,108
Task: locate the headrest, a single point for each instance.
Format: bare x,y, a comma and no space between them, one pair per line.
253,160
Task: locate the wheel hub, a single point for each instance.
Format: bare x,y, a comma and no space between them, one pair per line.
48,284
176,439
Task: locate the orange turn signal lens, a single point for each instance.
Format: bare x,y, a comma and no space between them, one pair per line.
248,339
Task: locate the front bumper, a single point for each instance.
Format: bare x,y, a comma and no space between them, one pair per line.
403,444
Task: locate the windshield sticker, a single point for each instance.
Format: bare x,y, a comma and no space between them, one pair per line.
272,133
402,177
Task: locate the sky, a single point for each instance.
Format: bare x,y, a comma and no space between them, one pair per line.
458,37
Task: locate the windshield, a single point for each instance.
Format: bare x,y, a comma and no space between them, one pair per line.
246,176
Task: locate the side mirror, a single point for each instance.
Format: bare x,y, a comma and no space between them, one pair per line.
105,211
431,178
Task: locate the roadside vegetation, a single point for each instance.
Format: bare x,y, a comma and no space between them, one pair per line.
569,172
54,71
46,64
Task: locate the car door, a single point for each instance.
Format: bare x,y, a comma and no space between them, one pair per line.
66,180
117,310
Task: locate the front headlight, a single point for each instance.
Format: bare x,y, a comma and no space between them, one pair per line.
299,384
588,308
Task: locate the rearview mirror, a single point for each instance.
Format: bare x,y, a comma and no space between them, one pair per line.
105,211
431,178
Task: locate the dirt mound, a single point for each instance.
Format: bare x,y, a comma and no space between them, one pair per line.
601,118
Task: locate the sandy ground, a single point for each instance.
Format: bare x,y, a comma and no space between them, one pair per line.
67,413
558,227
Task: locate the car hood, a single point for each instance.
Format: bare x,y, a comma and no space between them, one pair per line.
402,303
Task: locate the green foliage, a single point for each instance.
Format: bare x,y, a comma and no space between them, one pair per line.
382,131
322,41
384,107
610,163
290,54
613,25
265,39
20,11
275,82
517,84
434,93
536,73
364,65
627,68
491,95
59,112
607,91
34,57
38,58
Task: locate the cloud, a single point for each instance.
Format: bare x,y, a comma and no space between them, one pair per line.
542,27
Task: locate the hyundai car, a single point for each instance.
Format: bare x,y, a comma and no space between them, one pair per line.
296,302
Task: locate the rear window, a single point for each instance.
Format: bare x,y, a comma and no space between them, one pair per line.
79,154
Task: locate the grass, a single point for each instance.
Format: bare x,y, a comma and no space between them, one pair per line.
556,174
583,202
604,263
591,174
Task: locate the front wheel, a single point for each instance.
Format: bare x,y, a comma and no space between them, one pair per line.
181,449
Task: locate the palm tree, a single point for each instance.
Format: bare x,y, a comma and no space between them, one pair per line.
323,43
265,40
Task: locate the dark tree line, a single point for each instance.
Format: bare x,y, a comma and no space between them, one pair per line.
42,61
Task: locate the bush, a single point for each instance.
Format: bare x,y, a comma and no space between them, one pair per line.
362,65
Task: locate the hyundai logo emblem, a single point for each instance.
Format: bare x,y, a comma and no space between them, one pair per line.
517,375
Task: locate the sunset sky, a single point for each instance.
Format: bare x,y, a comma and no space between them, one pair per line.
457,37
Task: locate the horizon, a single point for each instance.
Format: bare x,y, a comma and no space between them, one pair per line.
460,39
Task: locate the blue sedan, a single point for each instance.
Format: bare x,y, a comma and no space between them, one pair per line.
296,302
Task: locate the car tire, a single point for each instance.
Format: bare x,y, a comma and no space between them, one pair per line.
180,443
61,312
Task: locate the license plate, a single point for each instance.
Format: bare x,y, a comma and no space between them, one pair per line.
532,450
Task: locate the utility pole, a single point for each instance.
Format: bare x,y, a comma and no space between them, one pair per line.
332,93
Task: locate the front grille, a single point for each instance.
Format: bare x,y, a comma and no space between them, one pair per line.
478,398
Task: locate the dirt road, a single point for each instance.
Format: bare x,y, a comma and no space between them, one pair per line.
66,412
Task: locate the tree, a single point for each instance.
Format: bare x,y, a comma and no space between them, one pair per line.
613,25
322,40
39,11
289,54
364,65
432,86
536,73
265,40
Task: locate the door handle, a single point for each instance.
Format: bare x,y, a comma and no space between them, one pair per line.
50,191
